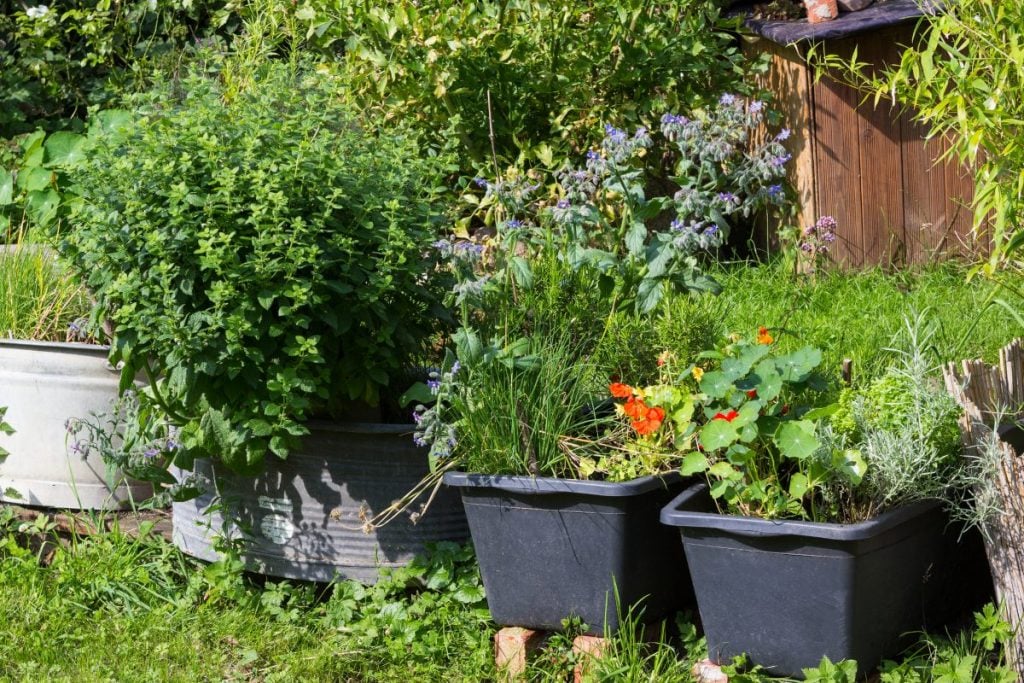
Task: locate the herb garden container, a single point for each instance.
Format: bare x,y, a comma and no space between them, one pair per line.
786,593
304,517
44,385
550,549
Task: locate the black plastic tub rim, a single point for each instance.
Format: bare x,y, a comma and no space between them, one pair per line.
511,483
739,525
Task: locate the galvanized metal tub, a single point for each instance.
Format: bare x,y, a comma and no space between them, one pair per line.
43,385
303,517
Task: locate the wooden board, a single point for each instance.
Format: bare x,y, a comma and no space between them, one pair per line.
881,160
837,165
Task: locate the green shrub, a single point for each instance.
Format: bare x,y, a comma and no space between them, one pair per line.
57,58
265,256
556,70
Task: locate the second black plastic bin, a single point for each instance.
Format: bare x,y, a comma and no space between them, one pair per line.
786,593
556,548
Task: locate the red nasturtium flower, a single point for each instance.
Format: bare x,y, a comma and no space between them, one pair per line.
620,390
763,337
752,393
635,408
650,422
728,416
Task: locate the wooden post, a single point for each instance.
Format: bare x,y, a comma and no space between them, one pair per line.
985,393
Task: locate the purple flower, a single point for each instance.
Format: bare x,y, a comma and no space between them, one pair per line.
806,246
456,366
433,385
674,120
728,197
711,230
417,417
728,99
480,182
171,445
756,106
419,441
826,223
151,453
774,191
780,160
614,134
783,135
514,223
563,204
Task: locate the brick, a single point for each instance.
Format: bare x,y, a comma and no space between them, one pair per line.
586,649
707,671
511,647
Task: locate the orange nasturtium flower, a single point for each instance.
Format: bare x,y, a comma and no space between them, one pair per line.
634,408
728,416
650,422
620,390
763,337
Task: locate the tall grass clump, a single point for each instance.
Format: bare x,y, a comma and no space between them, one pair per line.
39,300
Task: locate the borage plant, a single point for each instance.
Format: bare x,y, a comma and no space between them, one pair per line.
604,218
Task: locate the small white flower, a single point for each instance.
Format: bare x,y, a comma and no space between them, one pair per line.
37,12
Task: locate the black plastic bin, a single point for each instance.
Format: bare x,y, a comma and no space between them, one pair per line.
551,548
786,593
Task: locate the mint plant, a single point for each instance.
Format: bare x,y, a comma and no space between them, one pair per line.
261,258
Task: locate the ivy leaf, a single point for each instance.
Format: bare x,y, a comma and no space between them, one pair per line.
715,384
769,382
649,294
797,366
798,485
521,272
418,393
6,187
747,414
850,463
796,439
635,238
723,470
693,463
718,434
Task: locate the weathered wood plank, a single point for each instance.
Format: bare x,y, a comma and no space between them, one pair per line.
881,160
837,162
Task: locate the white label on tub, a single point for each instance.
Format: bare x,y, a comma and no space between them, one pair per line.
277,528
274,504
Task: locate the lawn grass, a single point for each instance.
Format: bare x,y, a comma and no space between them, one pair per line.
113,608
859,315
